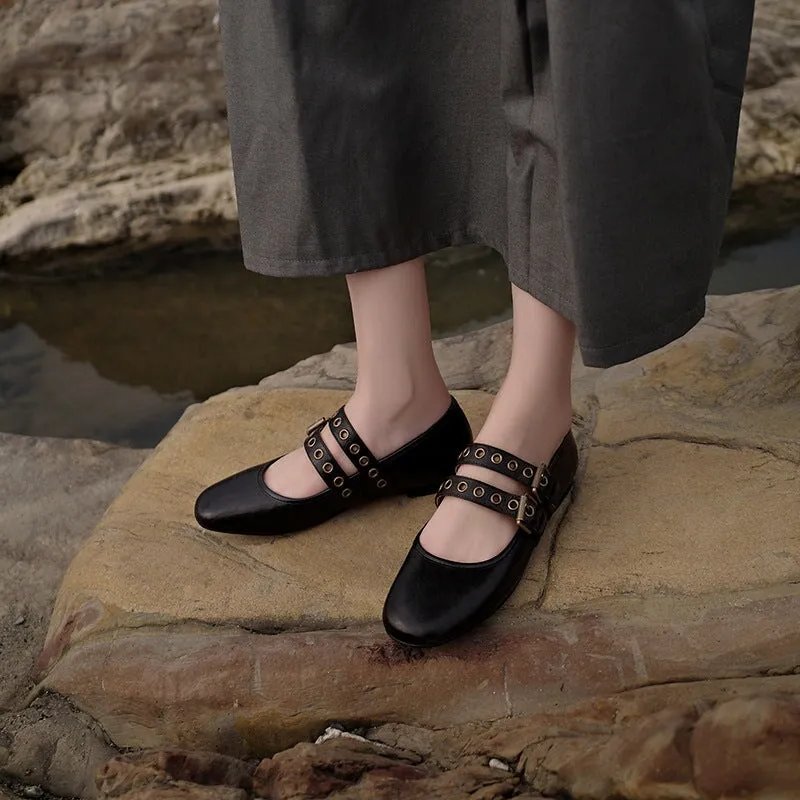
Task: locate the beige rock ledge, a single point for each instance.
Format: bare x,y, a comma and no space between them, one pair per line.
678,561
246,694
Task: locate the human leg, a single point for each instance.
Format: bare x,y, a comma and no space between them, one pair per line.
399,391
529,417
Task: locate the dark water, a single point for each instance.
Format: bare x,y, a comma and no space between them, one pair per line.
119,359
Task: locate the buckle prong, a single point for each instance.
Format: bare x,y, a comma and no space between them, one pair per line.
315,426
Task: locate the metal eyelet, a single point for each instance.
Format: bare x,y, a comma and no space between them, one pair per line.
448,483
312,442
337,422
529,511
327,467
527,472
338,482
381,483
373,473
363,461
462,486
465,452
343,435
318,453
478,491
497,458
355,449
346,493
480,453
513,465
513,504
496,498
543,481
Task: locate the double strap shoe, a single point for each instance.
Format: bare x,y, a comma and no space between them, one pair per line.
244,503
434,600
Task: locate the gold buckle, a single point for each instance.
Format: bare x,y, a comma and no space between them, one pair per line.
524,501
537,478
313,428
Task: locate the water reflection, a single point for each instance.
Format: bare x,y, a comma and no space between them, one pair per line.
43,392
772,264
71,353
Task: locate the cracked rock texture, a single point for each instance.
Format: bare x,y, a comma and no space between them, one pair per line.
732,739
52,744
114,111
113,132
670,588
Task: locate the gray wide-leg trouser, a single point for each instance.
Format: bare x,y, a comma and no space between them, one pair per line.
591,143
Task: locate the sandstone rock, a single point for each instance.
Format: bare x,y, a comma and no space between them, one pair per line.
51,745
636,747
302,582
724,394
769,138
52,493
775,46
647,760
662,517
678,742
134,153
356,771
137,771
749,748
319,770
677,562
763,156
248,694
732,381
410,738
182,790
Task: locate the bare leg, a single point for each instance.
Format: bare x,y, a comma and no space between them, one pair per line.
399,391
530,415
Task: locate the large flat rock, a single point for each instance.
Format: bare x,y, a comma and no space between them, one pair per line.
678,561
664,517
149,559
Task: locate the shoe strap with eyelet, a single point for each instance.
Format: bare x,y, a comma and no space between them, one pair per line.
525,509
354,448
325,464
505,463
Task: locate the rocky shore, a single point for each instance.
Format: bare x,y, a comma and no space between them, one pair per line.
651,652
113,136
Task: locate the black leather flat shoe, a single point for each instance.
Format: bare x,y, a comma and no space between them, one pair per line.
243,503
434,600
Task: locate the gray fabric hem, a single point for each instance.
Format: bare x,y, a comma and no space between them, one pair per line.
642,345
607,356
258,262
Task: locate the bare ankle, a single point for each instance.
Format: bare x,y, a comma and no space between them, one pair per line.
392,418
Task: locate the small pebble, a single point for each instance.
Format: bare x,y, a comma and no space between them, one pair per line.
32,791
19,621
496,763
